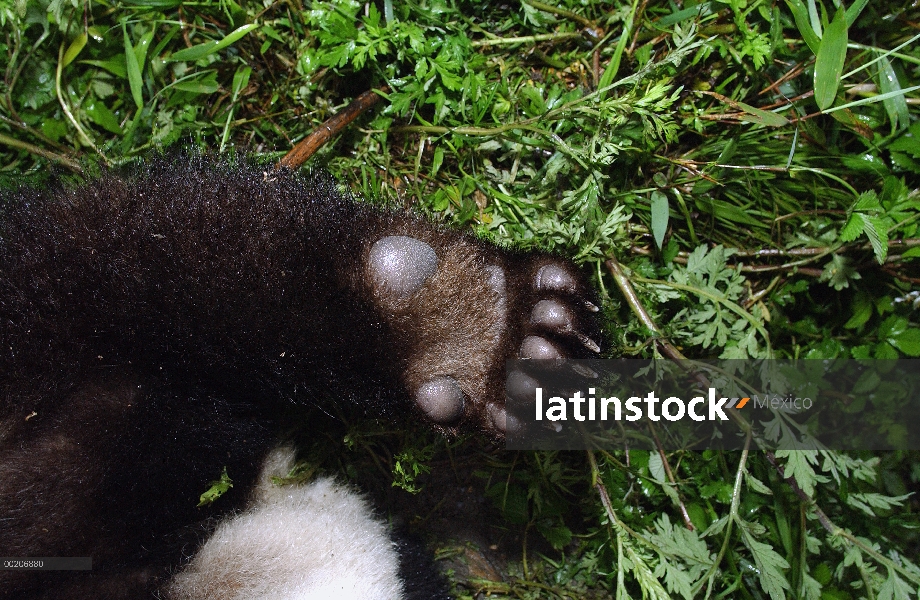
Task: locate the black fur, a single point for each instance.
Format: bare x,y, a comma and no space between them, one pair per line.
150,320
418,571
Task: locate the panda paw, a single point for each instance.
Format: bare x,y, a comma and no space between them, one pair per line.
463,309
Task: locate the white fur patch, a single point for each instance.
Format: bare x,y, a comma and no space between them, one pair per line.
310,542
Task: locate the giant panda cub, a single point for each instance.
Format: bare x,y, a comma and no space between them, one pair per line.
154,322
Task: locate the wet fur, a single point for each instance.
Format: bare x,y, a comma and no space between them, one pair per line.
150,321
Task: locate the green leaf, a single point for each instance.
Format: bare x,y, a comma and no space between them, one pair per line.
830,58
133,69
270,31
102,116
876,230
74,49
855,9
892,326
756,485
799,464
800,15
868,501
762,117
810,588
867,383
207,48
217,489
896,104
614,65
241,80
206,83
140,50
867,201
114,65
656,468
660,214
559,536
838,272
770,565
852,229
904,162
861,352
908,144
885,351
895,588
725,210
752,114
862,311
907,341
450,80
437,161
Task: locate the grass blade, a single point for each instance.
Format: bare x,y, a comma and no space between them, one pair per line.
134,70
879,98
140,50
74,49
829,64
815,18
854,10
611,71
800,15
202,50
241,80
752,113
895,105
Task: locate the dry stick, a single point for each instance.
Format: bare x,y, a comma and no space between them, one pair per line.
664,346
792,74
308,146
667,469
897,244
562,13
32,148
902,277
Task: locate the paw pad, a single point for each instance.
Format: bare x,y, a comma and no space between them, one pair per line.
537,348
441,399
553,278
458,310
400,265
553,314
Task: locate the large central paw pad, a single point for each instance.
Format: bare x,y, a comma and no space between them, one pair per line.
400,265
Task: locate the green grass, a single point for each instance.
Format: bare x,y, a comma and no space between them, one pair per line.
711,149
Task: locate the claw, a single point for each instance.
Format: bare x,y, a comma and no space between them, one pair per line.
584,371
588,342
591,306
